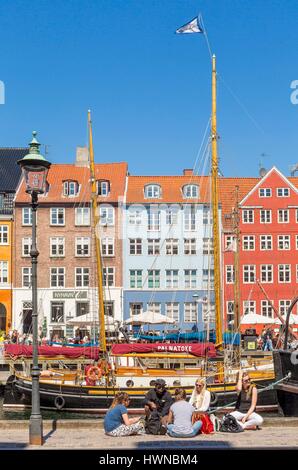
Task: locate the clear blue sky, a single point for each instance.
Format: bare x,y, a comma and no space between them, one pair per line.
149,89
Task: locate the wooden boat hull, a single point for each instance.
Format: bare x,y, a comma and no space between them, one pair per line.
286,362
98,399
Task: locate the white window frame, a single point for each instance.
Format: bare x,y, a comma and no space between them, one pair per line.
60,274
103,188
26,276
190,312
266,308
153,220
154,307
283,270
172,278
26,242
281,220
190,278
284,242
266,219
266,273
152,191
82,242
154,276
173,310
57,211
190,218
172,247
106,244
230,274
154,246
82,276
82,216
265,192
248,216
190,246
172,216
283,191
4,233
135,278
249,306
248,242
58,242
283,305
191,191
107,215
251,272
27,214
4,272
108,277
268,240
135,216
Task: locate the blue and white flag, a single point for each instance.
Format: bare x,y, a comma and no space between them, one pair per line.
192,27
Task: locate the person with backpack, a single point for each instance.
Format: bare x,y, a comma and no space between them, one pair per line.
180,417
157,406
246,403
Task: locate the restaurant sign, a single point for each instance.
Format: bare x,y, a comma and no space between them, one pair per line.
70,294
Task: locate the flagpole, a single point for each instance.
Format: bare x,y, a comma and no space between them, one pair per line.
214,192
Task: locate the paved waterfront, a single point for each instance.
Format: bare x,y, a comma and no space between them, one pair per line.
282,434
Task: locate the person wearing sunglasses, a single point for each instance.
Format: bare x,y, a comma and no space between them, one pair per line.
200,397
246,403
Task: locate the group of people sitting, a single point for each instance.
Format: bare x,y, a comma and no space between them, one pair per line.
178,417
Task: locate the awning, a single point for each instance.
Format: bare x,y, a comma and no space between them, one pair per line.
195,349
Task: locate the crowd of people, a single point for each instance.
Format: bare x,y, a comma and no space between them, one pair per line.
177,417
15,337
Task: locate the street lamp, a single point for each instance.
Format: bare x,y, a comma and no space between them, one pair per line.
35,169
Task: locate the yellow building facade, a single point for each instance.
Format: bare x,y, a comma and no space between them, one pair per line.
6,239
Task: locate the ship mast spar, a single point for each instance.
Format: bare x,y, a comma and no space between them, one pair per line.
95,214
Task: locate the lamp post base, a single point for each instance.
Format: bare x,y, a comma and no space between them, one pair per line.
35,431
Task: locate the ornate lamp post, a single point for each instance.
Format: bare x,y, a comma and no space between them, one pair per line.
35,169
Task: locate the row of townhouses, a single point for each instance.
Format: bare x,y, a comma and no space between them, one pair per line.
156,245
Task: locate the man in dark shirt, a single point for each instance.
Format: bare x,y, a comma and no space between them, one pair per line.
158,399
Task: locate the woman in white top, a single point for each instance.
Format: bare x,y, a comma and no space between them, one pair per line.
200,397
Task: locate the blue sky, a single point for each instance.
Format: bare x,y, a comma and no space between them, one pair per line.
149,89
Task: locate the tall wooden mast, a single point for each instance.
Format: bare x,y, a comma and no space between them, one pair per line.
214,186
95,215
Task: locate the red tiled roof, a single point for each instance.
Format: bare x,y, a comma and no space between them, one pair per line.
171,189
115,173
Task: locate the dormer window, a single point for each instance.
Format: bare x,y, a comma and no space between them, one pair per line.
70,188
191,191
152,191
103,188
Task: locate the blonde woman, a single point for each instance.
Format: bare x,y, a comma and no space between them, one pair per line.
117,423
200,398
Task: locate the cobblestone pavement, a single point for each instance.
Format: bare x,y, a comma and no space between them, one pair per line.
277,437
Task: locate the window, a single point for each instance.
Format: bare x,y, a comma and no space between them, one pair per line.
136,278
249,273
3,234
191,191
135,246
109,277
172,310
26,276
284,242
152,191
208,248
26,216
82,246
153,307
266,273
207,216
103,188
57,312
153,246
109,308
172,246
230,313
284,273
265,192
190,218
230,242
82,308
283,306
171,278
265,216
267,310
208,278
296,242
190,312
153,219
26,246
153,278
248,216
82,277
57,216
57,245
283,216
135,217
171,216
107,246
190,278
249,306
135,308
283,192
106,215
265,242
248,242
190,246
230,275
82,216
3,272
57,277
208,310
70,188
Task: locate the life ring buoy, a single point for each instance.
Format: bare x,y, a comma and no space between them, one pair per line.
59,402
213,398
94,373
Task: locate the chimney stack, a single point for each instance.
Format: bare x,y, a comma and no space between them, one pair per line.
82,157
188,172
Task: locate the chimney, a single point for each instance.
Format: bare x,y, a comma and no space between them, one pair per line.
188,172
82,156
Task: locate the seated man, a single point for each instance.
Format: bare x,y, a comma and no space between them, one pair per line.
157,405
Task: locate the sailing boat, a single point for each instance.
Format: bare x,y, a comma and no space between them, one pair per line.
135,367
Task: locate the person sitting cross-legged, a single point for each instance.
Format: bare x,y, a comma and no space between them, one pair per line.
180,417
117,423
246,403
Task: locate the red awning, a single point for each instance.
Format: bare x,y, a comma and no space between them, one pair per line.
195,349
21,350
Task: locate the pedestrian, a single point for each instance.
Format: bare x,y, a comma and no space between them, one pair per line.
180,417
268,341
246,403
200,397
158,400
117,423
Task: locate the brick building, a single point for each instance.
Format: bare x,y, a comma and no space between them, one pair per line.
67,282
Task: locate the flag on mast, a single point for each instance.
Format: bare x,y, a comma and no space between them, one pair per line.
192,27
